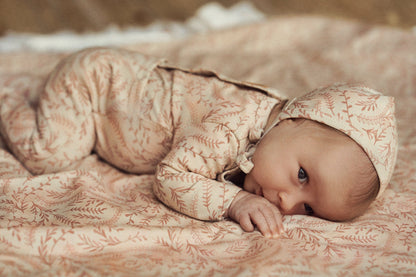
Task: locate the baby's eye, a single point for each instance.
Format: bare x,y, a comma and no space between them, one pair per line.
308,209
302,176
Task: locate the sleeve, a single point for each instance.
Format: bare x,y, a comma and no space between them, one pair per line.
186,178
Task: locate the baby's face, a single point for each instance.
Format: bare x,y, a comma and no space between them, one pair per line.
305,171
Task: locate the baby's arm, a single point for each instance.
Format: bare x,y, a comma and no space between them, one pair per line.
186,182
186,178
249,209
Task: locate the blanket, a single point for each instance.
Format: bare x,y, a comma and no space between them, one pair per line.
95,220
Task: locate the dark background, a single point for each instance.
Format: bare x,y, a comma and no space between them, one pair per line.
46,16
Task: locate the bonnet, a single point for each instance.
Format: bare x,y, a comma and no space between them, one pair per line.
362,113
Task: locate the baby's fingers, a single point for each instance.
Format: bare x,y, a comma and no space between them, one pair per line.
273,219
246,224
264,224
279,223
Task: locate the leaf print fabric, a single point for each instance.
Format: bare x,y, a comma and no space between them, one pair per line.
137,115
98,219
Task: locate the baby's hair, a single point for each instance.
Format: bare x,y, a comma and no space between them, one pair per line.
366,192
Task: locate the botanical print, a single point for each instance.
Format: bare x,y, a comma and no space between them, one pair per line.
95,219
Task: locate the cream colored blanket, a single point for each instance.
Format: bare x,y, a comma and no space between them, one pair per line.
97,220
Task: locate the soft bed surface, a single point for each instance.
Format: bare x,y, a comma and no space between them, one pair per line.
98,221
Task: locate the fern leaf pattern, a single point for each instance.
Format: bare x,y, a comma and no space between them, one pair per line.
96,218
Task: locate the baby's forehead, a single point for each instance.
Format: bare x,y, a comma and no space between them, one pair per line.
324,132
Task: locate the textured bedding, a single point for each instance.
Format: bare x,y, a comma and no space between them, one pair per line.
96,220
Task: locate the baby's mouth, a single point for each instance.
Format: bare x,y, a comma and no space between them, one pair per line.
259,192
274,200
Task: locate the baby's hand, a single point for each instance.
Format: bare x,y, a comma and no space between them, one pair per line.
252,210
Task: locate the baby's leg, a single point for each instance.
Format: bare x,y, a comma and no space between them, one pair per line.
97,99
22,87
56,132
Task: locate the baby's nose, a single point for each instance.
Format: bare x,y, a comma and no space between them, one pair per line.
292,203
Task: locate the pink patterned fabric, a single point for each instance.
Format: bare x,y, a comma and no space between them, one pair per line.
185,127
361,113
97,220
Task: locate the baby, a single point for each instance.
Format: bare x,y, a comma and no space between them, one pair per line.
219,148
